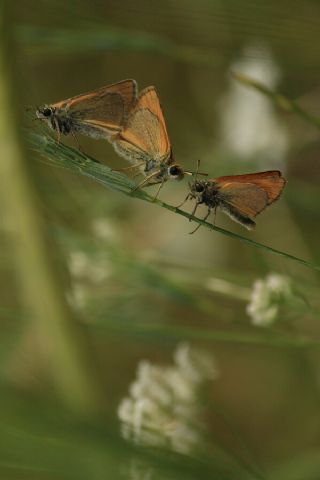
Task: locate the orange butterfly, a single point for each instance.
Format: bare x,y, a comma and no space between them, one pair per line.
242,197
98,114
144,141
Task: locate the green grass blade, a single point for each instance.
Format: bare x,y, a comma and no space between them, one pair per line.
152,331
72,42
279,100
60,155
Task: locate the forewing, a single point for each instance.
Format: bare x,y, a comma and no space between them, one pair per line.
108,107
271,182
246,198
146,129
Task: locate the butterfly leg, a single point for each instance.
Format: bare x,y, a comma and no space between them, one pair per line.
56,126
74,136
131,167
158,191
146,181
184,201
136,174
199,225
194,210
214,215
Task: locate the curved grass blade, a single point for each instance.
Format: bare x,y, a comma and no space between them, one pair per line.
279,100
152,331
63,41
60,155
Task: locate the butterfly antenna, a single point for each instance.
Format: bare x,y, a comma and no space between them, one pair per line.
29,109
196,173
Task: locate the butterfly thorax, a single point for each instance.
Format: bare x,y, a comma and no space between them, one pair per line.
153,165
205,192
164,169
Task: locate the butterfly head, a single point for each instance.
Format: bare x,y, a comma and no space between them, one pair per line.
55,118
175,172
197,189
45,112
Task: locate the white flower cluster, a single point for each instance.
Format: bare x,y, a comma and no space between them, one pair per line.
92,267
103,229
82,266
163,407
138,471
266,298
85,269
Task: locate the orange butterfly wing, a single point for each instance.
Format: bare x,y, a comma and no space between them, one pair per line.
105,108
271,182
145,134
246,198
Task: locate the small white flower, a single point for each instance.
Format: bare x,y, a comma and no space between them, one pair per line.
103,229
279,284
84,270
77,297
195,364
139,471
163,408
266,298
84,266
151,381
77,263
184,438
181,387
125,409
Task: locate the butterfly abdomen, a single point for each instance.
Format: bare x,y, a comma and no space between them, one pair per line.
133,155
238,217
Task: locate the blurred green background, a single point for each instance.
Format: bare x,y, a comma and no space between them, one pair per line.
97,281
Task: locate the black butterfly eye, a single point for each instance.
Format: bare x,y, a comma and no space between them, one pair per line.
199,188
47,112
174,170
